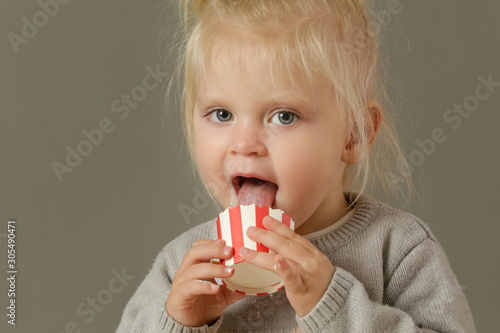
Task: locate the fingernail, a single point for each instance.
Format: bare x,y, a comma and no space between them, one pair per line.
244,251
228,269
214,286
251,230
227,250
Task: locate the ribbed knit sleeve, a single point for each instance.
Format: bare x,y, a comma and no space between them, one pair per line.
145,312
422,295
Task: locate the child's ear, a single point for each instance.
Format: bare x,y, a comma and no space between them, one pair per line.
353,151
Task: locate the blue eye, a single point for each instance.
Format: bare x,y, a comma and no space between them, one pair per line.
221,116
283,118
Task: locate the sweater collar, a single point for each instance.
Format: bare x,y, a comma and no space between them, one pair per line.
364,210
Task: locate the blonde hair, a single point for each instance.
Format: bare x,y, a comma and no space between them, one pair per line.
331,40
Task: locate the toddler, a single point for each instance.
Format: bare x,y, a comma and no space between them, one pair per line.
283,107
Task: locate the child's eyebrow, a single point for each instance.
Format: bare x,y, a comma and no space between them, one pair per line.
212,101
285,101
291,101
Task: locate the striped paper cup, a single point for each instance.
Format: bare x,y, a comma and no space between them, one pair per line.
232,224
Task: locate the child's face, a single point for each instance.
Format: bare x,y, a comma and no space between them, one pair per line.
246,126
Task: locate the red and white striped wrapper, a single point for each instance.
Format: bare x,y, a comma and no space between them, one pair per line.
232,225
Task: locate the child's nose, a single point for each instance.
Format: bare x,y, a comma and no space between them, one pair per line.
249,140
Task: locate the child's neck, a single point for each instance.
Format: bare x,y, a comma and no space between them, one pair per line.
337,208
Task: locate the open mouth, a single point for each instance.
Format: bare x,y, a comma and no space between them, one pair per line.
252,190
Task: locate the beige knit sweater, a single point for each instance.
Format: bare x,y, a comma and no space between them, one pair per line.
391,275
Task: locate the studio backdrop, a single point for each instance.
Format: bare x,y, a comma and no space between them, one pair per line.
95,178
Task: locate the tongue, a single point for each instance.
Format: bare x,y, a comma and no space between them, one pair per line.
258,192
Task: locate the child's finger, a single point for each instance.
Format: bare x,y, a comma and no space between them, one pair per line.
270,223
292,280
205,271
261,259
276,263
208,241
280,244
204,251
190,289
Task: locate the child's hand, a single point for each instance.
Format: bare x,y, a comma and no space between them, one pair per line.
306,271
192,301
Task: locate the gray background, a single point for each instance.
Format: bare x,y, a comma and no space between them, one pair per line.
120,206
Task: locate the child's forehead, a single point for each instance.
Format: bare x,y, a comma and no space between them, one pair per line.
240,50
256,75
240,60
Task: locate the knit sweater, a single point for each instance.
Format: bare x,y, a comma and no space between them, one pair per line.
391,275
